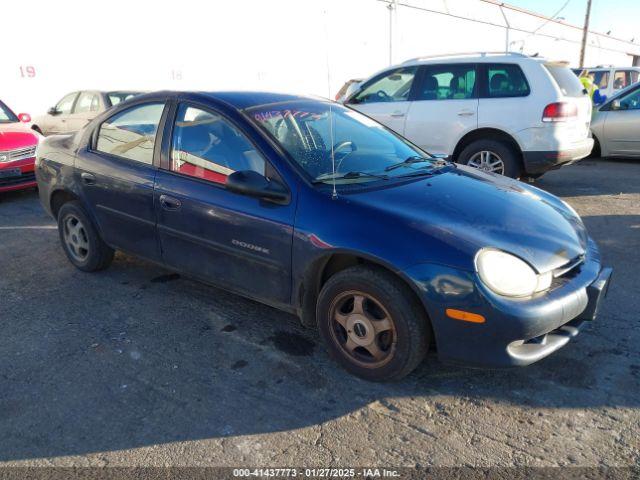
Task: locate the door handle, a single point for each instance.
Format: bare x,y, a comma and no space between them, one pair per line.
466,113
88,178
397,114
170,203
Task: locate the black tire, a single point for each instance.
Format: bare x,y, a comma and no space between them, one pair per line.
596,152
505,152
88,253
408,342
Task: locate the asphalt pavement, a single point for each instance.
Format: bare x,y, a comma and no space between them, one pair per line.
137,366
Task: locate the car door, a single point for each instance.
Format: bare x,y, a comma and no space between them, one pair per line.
386,97
236,241
622,125
56,119
85,109
116,172
444,107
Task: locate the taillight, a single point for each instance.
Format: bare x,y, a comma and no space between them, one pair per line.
559,112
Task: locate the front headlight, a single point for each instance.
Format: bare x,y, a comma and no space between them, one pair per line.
507,275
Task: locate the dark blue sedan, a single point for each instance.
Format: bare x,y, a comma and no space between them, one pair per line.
313,208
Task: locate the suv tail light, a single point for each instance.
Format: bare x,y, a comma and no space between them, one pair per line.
559,112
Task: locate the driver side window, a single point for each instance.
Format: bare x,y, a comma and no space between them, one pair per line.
394,86
631,101
207,146
64,105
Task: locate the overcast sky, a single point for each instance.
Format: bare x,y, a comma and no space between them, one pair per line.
622,17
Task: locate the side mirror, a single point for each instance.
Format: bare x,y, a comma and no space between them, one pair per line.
24,117
252,184
53,111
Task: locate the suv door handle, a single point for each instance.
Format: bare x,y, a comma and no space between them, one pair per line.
88,178
466,113
397,114
170,203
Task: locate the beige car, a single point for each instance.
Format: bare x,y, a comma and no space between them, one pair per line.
77,109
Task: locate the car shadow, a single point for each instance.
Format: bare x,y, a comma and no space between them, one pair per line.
582,178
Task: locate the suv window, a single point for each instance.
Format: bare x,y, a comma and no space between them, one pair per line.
601,78
567,82
131,134
393,86
624,78
207,146
87,102
65,105
447,82
506,80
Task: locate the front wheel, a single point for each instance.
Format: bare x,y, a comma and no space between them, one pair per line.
80,240
492,156
372,325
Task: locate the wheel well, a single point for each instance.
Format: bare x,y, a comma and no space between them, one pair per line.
597,148
59,198
486,134
325,269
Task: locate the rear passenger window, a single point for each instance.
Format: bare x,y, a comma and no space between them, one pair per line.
601,79
624,78
506,80
207,146
447,82
132,133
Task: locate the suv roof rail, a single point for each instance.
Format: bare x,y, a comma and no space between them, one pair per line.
463,54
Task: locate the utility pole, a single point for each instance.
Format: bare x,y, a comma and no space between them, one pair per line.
393,12
585,33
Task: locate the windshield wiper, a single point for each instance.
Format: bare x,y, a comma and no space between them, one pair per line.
410,161
347,176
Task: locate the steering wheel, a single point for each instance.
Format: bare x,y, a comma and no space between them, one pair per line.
381,94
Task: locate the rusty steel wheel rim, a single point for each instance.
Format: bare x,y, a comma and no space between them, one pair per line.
363,329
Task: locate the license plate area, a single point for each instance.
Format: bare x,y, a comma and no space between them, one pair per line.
596,292
10,172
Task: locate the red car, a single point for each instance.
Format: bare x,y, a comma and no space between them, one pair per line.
17,151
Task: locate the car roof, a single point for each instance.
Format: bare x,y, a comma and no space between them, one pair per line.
475,57
243,100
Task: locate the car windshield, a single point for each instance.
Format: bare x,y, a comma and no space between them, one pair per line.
364,150
6,115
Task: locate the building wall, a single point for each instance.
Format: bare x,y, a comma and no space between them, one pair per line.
51,48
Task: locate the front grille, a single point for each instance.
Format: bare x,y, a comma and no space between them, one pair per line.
566,272
19,154
24,178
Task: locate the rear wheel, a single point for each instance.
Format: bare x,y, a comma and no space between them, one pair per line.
492,156
371,324
80,240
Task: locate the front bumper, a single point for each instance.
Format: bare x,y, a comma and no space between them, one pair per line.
516,332
538,162
17,175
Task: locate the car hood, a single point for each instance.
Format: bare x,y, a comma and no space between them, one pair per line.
14,136
469,210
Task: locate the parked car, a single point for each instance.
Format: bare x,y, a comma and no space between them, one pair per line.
509,114
610,80
383,247
347,89
77,109
17,150
616,125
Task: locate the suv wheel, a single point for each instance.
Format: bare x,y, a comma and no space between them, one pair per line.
80,240
371,324
491,156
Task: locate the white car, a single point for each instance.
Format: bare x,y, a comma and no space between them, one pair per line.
610,80
505,113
